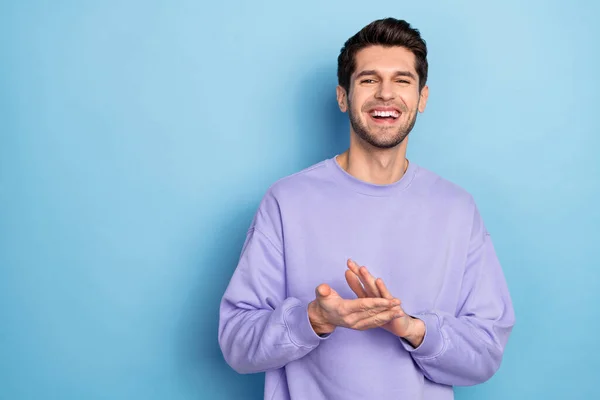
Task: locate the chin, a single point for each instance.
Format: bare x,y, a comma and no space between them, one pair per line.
383,143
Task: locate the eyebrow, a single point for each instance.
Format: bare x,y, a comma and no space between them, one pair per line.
369,72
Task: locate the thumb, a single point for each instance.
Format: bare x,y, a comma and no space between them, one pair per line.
323,290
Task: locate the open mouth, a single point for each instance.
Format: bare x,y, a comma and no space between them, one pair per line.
384,116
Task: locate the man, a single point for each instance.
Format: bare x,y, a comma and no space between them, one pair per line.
304,304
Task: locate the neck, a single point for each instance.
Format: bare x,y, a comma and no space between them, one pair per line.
373,165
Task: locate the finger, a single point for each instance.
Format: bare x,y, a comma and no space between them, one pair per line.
399,311
358,305
376,320
368,281
383,290
353,318
353,266
355,284
323,290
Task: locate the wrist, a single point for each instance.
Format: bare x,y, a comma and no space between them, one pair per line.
317,320
416,332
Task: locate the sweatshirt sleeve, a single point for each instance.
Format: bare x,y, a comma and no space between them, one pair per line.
259,327
466,348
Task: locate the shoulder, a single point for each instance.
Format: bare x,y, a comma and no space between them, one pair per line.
433,185
445,199
452,199
307,179
290,188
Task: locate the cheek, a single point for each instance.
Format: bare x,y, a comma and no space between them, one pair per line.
411,100
353,105
359,98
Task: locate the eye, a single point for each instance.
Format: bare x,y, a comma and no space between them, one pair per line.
403,81
368,81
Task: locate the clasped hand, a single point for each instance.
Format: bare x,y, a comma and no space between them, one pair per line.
375,307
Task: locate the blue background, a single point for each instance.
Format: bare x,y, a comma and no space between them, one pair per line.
137,139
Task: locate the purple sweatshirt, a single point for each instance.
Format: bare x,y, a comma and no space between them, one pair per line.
423,235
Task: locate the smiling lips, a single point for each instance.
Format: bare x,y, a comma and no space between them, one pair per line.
382,115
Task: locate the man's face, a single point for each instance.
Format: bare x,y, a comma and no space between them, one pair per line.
384,97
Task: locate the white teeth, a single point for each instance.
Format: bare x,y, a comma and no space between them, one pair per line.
385,114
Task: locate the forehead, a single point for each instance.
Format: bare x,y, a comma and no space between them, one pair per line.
385,59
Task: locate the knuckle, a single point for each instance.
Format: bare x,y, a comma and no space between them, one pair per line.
349,321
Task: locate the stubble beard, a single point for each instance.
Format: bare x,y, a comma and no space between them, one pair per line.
387,140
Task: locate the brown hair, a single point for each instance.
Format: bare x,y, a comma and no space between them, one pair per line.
386,32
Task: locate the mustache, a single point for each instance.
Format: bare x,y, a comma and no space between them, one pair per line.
399,106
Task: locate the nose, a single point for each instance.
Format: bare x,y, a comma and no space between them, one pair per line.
385,91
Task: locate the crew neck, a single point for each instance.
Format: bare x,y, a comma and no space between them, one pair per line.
368,188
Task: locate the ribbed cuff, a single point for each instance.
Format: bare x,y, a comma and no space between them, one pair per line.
433,342
299,328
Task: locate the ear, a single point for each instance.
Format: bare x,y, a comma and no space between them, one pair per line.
423,98
342,98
